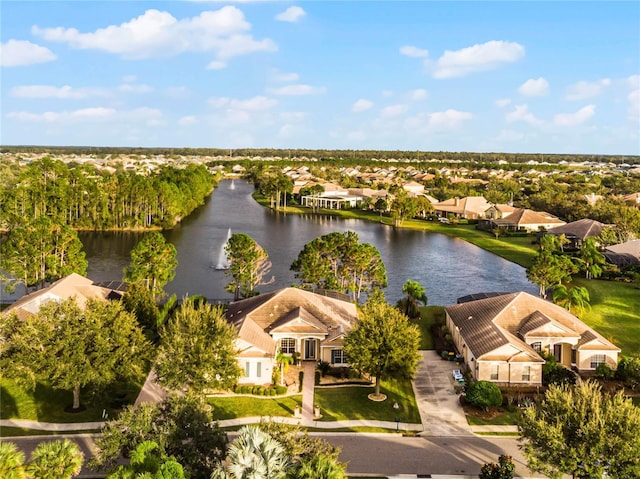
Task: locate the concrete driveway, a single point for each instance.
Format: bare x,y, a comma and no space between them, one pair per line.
434,388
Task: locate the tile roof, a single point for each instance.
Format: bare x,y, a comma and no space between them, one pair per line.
487,324
523,216
581,229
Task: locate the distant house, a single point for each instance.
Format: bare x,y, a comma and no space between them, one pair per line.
495,212
293,321
623,254
413,188
522,219
72,286
578,231
469,207
500,338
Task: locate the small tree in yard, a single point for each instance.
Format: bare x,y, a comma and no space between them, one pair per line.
503,470
484,394
383,343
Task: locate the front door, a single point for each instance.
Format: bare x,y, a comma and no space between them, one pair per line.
557,352
309,349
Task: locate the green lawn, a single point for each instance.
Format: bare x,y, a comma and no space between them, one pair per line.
428,316
229,407
503,418
48,405
350,403
615,312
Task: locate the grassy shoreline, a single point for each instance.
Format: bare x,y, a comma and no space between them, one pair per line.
615,306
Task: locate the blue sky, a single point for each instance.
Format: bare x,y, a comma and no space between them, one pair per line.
542,77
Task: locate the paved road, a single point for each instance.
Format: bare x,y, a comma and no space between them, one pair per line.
386,454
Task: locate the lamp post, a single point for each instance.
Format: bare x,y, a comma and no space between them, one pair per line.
396,406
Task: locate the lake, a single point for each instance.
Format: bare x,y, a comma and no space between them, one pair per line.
447,267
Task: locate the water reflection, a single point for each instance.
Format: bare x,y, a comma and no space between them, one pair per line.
447,267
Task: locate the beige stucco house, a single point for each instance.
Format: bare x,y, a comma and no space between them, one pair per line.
72,286
469,207
289,320
522,219
500,338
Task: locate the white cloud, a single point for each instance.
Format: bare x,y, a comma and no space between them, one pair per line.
386,93
449,118
501,103
157,34
534,87
487,56
65,92
129,78
216,65
510,135
583,89
291,14
414,52
356,135
293,116
418,94
522,113
187,120
297,90
257,103
573,119
283,77
361,105
393,110
133,88
151,116
16,53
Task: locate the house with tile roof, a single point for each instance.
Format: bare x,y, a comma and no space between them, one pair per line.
578,231
469,207
522,219
292,321
623,254
72,286
501,337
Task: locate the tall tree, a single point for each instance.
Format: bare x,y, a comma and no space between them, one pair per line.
197,350
249,265
182,426
580,430
414,295
55,460
550,267
338,261
383,343
403,206
71,347
153,263
592,259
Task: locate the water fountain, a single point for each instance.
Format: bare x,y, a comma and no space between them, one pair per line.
223,262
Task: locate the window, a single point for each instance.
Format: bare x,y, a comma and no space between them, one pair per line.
338,357
288,345
495,372
537,346
526,373
597,359
259,369
247,369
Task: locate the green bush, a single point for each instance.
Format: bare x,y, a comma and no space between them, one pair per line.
272,392
317,377
603,371
324,367
484,394
629,370
280,389
300,379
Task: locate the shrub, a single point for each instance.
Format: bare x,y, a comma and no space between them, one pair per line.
554,373
272,392
629,370
603,371
503,470
484,394
317,377
300,379
280,389
324,367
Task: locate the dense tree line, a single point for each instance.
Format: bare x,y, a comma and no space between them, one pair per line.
328,154
83,197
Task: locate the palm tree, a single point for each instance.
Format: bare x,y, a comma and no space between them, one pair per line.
320,467
255,455
576,298
11,461
591,258
284,360
415,294
55,460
